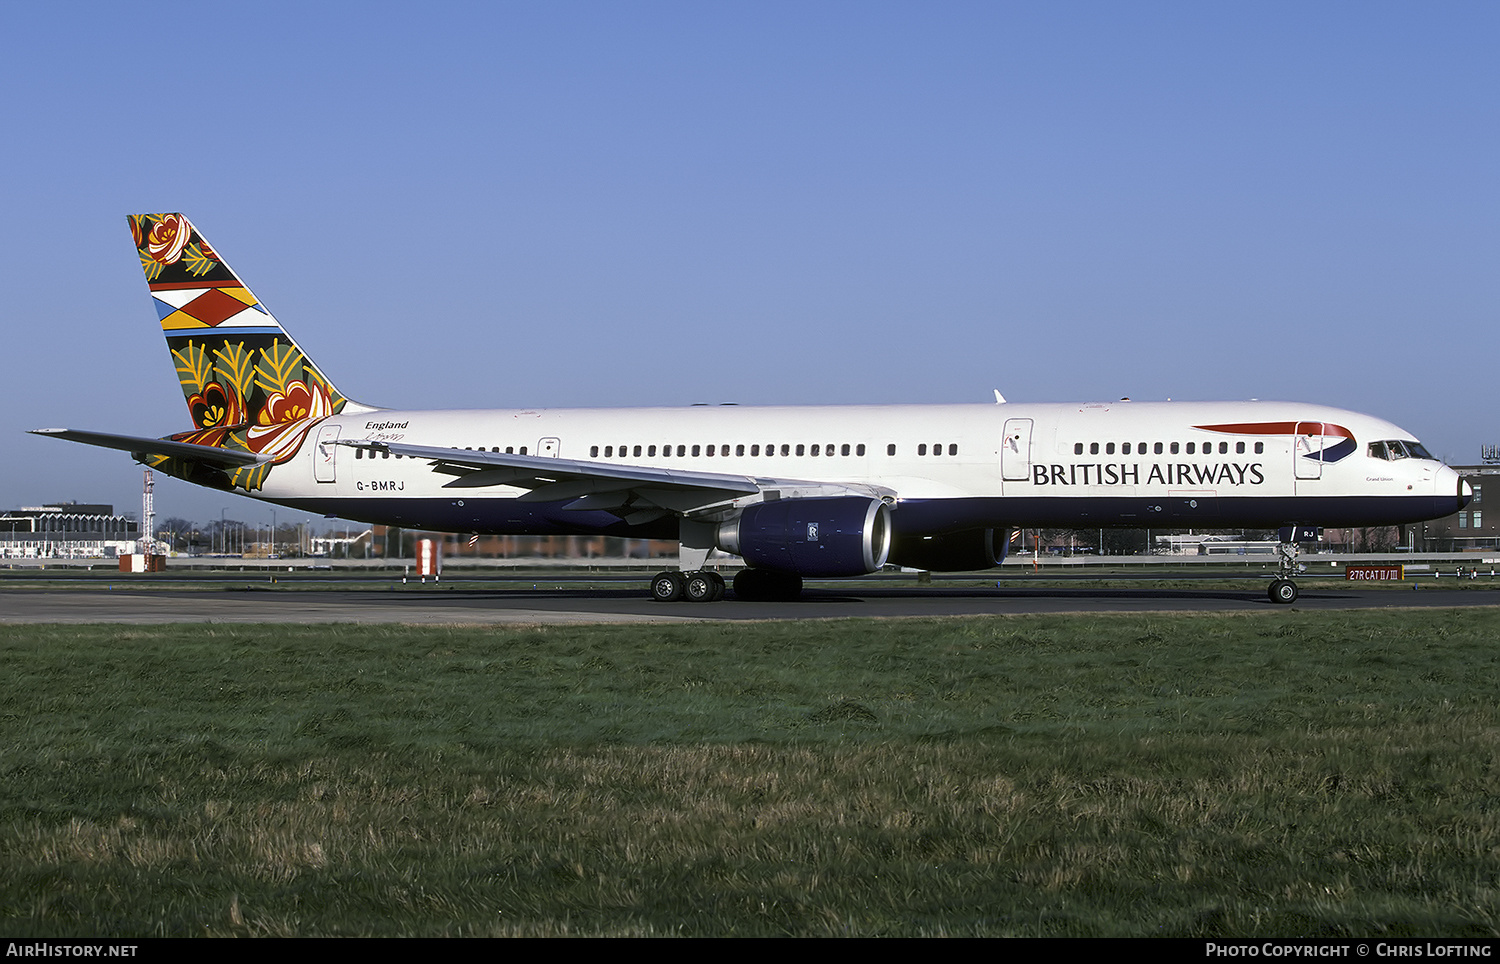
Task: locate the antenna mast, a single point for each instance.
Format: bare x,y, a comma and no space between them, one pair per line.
148,517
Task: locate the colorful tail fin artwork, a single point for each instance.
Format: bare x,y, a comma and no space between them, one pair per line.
248,385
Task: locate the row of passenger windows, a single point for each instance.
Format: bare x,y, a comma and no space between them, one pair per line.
786,449
1165,448
754,451
509,450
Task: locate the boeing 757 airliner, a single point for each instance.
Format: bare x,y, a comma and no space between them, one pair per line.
796,492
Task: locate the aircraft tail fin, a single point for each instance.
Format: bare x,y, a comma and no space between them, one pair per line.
246,382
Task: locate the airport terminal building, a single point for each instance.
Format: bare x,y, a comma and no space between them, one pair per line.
66,530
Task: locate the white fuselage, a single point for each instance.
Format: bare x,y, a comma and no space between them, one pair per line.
950,467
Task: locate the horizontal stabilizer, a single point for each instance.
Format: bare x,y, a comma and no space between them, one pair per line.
155,446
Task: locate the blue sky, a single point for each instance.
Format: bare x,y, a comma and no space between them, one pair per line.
577,204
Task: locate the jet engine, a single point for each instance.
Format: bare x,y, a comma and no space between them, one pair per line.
952,552
838,536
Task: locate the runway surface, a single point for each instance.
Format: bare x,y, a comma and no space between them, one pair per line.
433,606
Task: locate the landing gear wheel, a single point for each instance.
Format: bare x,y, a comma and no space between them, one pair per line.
700,586
718,587
1282,591
667,586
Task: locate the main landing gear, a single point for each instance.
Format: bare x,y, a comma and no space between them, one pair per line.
702,586
696,539
751,585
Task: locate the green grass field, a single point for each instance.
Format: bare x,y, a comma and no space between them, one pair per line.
1275,774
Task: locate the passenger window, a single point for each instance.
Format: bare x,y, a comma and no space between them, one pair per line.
1125,449
1174,448
814,451
1239,448
799,449
787,449
859,449
1191,447
1093,448
593,451
922,449
1077,448
651,451
695,451
1109,448
739,450
890,449
609,451
755,451
844,450
1223,448
1260,447
953,448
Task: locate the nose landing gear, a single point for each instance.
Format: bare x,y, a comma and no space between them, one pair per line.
1282,589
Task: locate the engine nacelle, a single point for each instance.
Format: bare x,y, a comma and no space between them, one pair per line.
953,552
839,536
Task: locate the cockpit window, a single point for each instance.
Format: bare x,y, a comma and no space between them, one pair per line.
1393,449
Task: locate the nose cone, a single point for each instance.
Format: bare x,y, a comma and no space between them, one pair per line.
1447,483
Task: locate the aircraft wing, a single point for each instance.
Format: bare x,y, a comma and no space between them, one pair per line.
139,447
634,492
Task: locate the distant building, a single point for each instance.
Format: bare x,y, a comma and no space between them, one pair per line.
393,543
66,530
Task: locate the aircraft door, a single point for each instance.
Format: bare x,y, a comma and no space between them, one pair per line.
549,447
1307,450
325,453
1015,450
